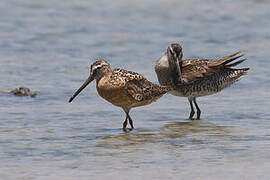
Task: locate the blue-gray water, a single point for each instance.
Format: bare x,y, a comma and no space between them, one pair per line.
48,47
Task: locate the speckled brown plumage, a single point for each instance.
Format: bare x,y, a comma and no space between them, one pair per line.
122,88
193,70
193,78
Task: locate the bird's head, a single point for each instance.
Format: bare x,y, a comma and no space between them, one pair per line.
175,51
97,70
175,55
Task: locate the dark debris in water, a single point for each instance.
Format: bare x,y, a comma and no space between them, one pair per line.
23,91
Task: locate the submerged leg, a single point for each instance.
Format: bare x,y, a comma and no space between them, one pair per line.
198,109
192,112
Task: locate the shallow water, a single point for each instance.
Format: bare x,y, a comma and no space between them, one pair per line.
46,46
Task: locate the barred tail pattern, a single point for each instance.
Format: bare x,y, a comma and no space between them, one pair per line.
212,84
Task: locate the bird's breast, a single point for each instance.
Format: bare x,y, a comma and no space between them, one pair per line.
114,92
163,71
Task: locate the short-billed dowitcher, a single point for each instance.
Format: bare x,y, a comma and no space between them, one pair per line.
122,88
194,78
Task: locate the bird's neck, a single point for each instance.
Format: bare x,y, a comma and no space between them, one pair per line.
106,73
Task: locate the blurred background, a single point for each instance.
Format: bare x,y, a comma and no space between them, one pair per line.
48,47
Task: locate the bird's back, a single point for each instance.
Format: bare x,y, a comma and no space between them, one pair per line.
129,89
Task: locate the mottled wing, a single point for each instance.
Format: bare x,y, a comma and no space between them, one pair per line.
224,61
196,69
139,87
143,90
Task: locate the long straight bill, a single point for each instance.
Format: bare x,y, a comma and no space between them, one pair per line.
179,70
90,79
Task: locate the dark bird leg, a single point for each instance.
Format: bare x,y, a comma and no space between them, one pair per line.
125,124
130,120
192,112
198,109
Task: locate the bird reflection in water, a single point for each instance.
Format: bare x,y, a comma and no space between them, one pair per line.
170,132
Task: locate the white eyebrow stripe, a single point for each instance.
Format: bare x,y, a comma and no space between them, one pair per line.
98,66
